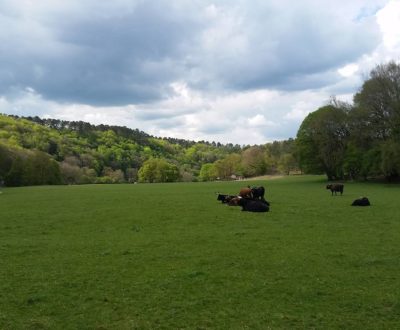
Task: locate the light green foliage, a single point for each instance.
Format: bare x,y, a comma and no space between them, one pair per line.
170,256
208,172
254,161
97,148
287,163
158,170
228,166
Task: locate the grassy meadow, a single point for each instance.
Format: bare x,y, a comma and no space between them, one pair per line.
170,256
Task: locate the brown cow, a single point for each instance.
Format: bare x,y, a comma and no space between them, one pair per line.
246,193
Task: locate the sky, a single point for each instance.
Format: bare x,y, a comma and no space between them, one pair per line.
240,71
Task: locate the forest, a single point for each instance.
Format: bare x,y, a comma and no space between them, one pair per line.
35,151
345,141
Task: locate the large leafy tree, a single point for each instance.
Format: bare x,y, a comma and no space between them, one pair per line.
321,141
5,161
254,161
375,123
158,170
33,168
378,102
228,166
208,172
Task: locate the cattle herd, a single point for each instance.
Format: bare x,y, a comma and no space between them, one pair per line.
252,198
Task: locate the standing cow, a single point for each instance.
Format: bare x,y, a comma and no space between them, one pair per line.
258,193
335,188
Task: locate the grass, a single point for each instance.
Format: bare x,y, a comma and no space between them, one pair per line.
170,256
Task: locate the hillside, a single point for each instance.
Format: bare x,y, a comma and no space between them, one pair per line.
49,151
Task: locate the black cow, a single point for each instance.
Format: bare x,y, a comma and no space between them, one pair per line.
253,205
335,188
362,201
258,193
224,198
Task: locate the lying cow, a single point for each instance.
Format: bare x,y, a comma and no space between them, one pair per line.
234,201
224,198
335,188
253,205
362,201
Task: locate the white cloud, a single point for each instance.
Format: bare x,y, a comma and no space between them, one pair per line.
348,70
259,120
389,22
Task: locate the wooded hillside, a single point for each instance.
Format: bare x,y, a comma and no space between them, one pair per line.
37,151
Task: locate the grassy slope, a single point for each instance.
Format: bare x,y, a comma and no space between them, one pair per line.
170,256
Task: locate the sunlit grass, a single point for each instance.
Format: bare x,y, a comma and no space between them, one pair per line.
171,256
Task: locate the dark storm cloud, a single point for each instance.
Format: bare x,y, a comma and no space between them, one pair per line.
130,52
99,58
287,45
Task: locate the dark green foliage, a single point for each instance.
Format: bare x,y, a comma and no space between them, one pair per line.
391,158
356,141
5,161
30,168
169,256
323,138
15,176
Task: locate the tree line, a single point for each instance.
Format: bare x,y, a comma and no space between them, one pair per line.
35,151
359,140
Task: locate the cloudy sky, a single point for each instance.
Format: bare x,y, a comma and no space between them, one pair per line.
237,71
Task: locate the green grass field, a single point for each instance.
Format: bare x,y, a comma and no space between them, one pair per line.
170,256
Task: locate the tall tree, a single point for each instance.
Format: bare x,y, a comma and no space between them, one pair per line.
321,141
253,161
158,170
376,118
5,161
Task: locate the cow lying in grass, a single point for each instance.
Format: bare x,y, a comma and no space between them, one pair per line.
253,205
335,188
362,201
225,198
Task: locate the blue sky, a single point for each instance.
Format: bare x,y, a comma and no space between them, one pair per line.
237,71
